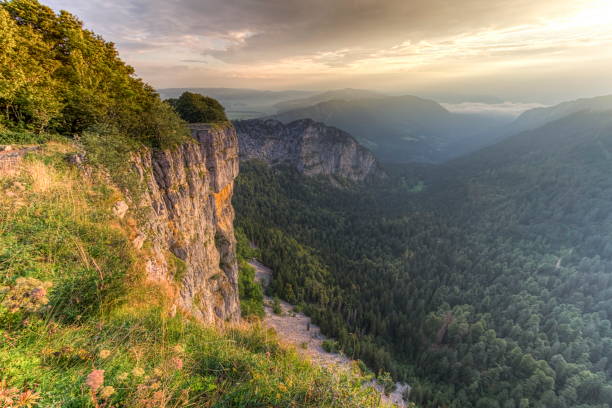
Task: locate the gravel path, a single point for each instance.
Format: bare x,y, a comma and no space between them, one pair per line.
298,330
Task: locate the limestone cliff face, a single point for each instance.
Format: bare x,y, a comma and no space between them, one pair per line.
311,147
190,221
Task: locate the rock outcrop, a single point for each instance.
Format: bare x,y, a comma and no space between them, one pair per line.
190,221
311,147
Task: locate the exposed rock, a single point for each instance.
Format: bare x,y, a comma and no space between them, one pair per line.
6,148
191,223
120,209
311,147
76,159
138,242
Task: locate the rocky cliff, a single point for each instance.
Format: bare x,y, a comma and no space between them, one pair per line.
190,221
311,147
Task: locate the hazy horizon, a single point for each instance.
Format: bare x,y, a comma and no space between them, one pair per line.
518,50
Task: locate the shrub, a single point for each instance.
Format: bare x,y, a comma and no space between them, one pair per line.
196,108
251,293
276,306
331,346
8,137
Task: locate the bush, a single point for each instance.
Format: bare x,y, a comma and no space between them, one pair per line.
196,108
331,346
8,137
276,307
251,293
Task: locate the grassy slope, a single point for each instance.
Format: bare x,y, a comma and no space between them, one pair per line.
56,226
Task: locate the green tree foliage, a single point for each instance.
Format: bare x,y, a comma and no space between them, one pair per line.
56,76
489,288
196,108
250,291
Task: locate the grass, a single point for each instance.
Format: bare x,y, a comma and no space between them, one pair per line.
91,309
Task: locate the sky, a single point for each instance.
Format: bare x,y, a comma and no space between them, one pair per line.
536,51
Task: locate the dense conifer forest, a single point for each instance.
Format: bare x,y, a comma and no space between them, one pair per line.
483,283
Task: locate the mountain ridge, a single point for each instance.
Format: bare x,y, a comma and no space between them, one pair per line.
537,117
311,147
398,128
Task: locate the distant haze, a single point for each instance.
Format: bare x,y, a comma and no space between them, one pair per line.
541,51
510,109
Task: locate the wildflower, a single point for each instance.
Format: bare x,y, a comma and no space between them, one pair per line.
179,349
158,396
28,295
137,372
95,379
104,354
122,376
107,391
155,386
177,362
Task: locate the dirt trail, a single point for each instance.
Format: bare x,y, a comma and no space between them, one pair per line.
297,329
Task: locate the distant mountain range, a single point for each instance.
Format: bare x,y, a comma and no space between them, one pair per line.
537,117
398,128
348,94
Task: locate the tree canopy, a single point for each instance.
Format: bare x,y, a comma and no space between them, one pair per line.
196,108
489,286
56,76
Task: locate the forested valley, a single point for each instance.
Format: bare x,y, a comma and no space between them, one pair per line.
484,282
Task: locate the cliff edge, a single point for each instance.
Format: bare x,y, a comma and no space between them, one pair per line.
313,148
190,224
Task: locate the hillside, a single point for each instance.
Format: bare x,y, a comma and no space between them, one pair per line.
347,94
312,148
121,280
551,177
84,323
486,284
399,129
534,118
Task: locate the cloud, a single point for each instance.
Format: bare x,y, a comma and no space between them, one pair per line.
247,31
195,61
503,109
315,43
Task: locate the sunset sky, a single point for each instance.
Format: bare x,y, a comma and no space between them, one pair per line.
519,50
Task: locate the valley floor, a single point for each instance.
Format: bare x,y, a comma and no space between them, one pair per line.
298,330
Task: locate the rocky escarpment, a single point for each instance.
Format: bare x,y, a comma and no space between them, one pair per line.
311,147
190,221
